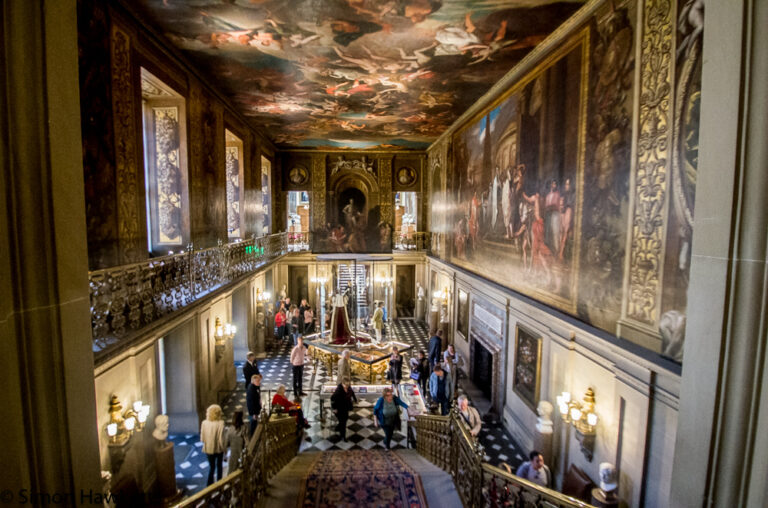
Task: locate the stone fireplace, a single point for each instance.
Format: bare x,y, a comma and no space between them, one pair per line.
486,345
485,369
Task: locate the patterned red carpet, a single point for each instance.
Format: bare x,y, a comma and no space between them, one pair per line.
361,478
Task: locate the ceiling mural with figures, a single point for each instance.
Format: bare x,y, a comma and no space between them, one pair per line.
355,73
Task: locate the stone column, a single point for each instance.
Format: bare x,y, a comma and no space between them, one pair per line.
50,438
721,450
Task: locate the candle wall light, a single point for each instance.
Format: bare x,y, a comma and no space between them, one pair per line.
582,415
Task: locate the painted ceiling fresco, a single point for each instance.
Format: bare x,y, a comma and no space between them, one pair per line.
355,73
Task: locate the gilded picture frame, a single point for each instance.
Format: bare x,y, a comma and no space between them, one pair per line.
526,376
462,314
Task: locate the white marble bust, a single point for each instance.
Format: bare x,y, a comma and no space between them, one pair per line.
544,423
161,428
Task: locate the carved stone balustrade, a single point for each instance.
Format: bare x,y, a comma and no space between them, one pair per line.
125,299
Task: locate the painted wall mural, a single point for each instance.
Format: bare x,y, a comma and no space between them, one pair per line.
543,195
518,180
356,73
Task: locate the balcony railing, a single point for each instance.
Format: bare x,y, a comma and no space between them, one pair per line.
414,241
446,442
125,299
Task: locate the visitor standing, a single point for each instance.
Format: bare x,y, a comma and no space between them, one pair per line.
342,402
345,369
298,359
296,323
435,349
212,436
236,436
440,389
378,320
420,371
451,363
395,372
280,323
250,368
386,414
309,321
253,401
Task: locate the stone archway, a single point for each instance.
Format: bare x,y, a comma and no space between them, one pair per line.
362,188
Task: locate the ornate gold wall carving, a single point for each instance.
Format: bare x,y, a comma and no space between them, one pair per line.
130,191
318,191
385,185
650,180
196,180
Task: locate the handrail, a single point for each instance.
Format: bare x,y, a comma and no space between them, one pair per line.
550,496
125,299
222,490
273,444
447,442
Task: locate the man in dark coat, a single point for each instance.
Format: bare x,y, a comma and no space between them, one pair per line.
253,401
342,402
435,349
250,368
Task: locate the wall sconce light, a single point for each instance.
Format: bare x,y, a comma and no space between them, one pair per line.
222,333
320,281
262,296
121,424
443,295
581,414
383,280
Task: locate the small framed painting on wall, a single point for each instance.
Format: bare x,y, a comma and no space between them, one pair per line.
526,380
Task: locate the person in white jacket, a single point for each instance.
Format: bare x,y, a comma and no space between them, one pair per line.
212,436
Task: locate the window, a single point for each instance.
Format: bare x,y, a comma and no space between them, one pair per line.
298,220
165,165
234,164
263,219
406,218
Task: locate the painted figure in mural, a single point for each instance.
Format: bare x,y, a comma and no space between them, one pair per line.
506,204
385,235
567,203
541,256
494,198
350,215
552,216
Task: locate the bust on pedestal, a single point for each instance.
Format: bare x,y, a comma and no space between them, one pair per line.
605,496
421,302
542,438
165,466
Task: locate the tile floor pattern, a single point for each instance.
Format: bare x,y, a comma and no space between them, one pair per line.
192,464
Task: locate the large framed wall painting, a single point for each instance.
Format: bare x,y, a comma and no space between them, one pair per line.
518,176
462,314
526,380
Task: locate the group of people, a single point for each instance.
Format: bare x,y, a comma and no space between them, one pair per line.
292,321
218,437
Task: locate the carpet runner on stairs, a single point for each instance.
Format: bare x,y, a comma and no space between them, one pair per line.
361,478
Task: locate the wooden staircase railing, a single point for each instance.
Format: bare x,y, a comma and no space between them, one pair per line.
446,442
272,446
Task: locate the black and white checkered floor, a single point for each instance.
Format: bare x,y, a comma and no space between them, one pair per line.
192,464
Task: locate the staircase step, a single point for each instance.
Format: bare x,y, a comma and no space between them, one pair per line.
284,488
